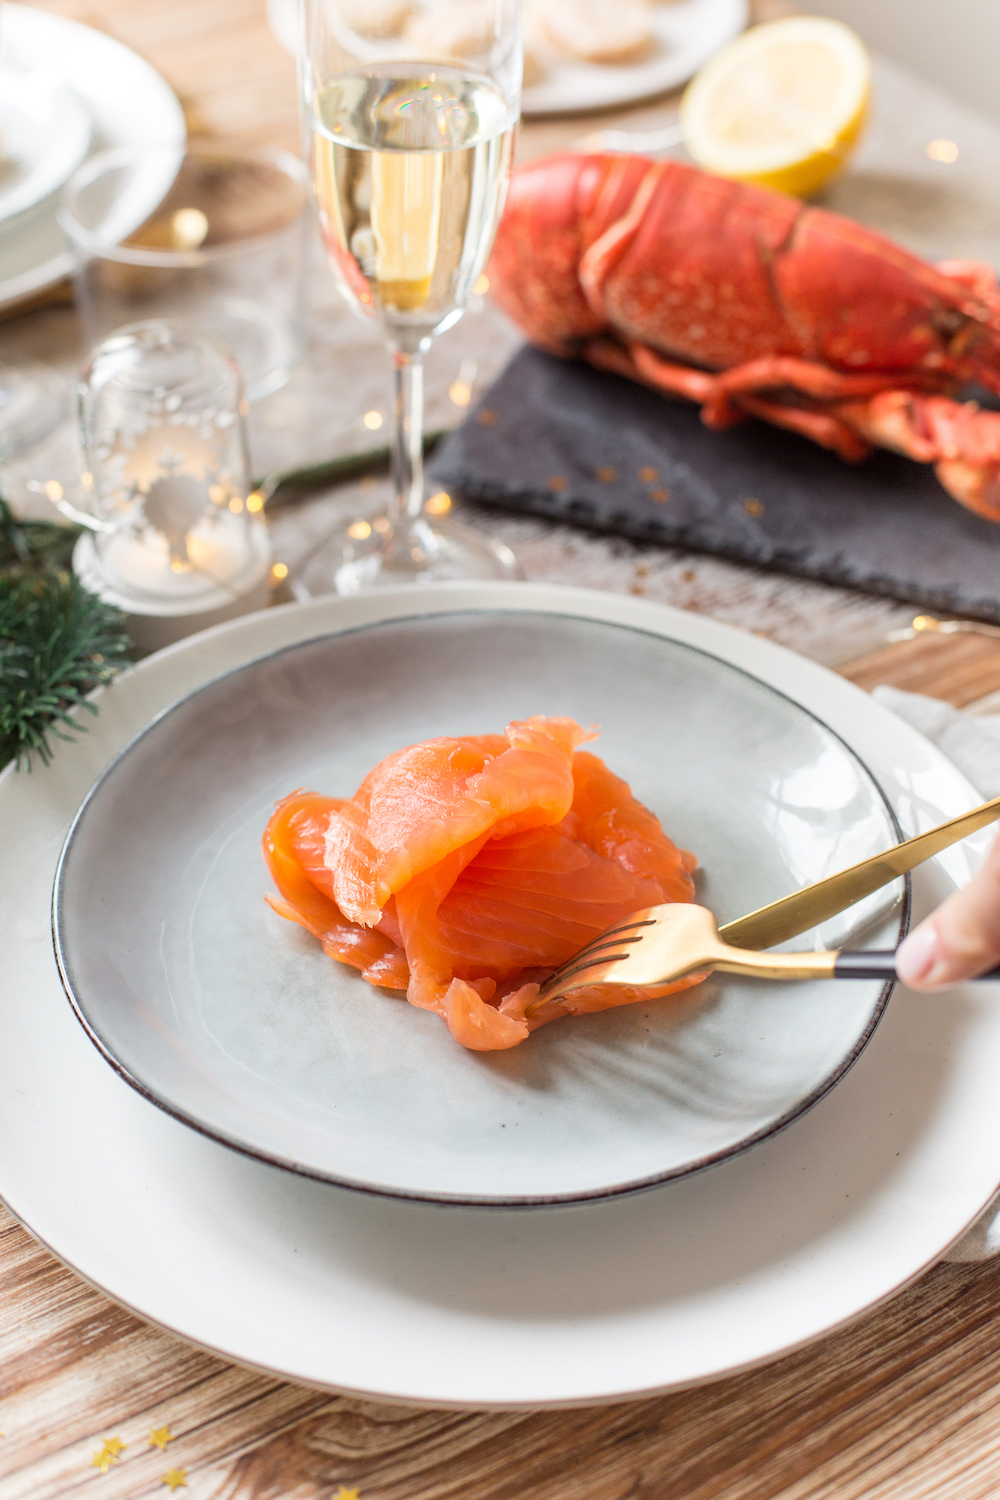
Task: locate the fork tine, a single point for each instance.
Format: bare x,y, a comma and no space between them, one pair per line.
590,960
558,982
604,941
599,951
564,974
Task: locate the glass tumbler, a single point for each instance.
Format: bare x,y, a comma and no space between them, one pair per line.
210,234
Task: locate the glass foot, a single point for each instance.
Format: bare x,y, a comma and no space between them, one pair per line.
31,404
369,555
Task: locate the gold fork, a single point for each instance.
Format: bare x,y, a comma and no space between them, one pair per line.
662,943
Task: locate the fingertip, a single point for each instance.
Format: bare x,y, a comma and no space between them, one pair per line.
918,955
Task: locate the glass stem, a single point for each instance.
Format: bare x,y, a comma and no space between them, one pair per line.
408,437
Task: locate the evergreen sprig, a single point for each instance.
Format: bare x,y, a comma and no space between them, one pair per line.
33,546
57,641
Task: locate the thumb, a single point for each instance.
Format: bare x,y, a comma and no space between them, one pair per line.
961,939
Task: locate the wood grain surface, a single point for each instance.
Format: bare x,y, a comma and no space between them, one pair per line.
904,1405
961,669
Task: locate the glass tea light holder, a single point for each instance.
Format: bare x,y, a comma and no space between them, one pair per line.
175,537
209,234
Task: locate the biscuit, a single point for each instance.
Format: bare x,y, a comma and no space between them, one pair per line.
375,18
456,32
597,31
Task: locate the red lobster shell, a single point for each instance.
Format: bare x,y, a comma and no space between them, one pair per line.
753,303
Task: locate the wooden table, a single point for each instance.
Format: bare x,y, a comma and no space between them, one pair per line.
904,1404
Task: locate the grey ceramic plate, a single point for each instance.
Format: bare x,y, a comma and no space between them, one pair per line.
237,1023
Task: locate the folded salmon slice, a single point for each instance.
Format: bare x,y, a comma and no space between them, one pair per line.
467,870
294,846
426,802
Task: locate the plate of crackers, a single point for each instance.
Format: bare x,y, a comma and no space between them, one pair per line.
589,54
578,54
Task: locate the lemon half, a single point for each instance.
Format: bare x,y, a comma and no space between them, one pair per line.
782,105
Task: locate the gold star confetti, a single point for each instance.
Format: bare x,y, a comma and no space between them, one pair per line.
753,507
487,418
343,1494
649,475
159,1437
557,482
661,496
175,1479
107,1455
607,475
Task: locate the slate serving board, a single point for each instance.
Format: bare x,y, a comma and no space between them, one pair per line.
559,439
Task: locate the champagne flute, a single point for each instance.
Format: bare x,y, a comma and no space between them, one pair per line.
410,113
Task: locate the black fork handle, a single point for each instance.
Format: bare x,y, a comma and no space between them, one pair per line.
877,963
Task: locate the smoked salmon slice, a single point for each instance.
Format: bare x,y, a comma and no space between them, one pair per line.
465,870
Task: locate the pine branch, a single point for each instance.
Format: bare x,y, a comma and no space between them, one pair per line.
57,641
31,546
278,487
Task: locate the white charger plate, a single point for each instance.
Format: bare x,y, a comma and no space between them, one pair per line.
687,33
237,1022
459,1306
129,104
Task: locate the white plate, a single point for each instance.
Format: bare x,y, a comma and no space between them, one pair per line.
688,32
44,135
456,1306
128,104
238,1023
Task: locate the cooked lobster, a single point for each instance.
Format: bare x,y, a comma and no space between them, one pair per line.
754,304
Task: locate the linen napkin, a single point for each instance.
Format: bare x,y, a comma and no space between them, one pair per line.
972,742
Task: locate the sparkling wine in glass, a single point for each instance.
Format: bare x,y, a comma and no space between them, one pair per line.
411,116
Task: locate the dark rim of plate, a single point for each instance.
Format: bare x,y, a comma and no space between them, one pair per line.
614,1190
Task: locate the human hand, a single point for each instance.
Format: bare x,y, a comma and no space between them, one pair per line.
959,940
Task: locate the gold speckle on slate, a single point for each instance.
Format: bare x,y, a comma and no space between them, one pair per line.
753,507
487,418
557,482
649,475
661,496
607,475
